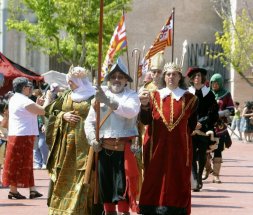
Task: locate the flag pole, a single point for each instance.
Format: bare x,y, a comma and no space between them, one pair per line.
97,107
123,12
98,103
173,26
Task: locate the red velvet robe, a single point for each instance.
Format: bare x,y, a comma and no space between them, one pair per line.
167,153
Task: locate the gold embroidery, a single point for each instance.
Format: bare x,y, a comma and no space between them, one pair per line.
187,146
170,126
151,140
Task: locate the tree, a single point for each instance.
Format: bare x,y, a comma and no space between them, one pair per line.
236,38
66,29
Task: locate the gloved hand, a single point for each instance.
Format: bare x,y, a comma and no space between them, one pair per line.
224,113
96,145
101,97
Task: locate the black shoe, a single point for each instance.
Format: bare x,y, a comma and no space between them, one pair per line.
200,185
35,194
15,196
196,190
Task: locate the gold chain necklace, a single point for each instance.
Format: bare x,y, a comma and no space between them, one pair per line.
170,126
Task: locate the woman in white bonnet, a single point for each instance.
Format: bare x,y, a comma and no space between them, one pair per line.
68,145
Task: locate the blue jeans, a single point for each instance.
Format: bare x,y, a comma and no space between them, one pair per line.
40,151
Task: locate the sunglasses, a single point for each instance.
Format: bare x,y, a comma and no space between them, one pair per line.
119,77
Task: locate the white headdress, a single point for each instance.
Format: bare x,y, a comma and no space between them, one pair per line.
85,89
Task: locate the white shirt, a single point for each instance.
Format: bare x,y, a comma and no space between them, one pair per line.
121,122
21,121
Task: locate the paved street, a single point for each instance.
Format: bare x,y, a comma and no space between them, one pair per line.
233,197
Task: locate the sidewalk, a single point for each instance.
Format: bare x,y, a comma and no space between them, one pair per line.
233,197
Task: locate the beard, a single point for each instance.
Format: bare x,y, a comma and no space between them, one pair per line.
117,88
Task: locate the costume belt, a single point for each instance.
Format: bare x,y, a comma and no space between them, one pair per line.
115,144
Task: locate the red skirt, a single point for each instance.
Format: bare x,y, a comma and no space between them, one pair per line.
18,165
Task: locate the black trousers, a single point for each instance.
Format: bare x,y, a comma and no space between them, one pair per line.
111,172
200,144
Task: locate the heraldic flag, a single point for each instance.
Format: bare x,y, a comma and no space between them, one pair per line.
118,42
163,40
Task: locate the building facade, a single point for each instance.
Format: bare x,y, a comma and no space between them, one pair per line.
13,45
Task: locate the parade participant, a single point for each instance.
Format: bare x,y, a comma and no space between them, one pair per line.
148,78
207,114
155,69
68,145
117,166
226,109
171,112
22,129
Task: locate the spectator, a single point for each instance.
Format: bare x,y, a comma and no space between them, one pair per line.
18,165
4,115
55,89
236,121
40,150
246,126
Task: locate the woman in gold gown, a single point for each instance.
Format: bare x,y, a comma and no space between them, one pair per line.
68,146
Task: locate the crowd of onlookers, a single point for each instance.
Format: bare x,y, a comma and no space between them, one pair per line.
242,122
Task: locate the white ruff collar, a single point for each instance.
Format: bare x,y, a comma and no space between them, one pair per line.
176,93
205,90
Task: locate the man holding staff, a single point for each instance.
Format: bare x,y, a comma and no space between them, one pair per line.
117,167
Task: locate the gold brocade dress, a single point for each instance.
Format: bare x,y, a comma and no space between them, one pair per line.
67,158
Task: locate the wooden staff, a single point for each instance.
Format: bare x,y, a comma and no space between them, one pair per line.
98,103
91,151
173,33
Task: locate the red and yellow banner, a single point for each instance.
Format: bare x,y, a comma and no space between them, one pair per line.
118,42
163,40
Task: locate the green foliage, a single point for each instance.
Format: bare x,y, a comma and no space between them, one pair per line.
64,28
237,42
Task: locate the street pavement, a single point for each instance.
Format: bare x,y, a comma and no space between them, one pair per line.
234,196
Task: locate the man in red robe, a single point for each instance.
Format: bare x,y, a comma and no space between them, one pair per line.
171,112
